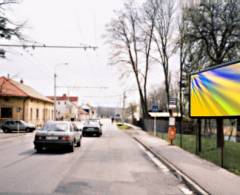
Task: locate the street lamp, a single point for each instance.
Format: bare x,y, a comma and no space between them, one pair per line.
55,86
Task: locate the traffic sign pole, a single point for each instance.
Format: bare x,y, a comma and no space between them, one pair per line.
155,126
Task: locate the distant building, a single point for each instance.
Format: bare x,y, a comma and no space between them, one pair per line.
20,101
92,112
66,107
82,114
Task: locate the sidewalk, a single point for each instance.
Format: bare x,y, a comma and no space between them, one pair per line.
212,178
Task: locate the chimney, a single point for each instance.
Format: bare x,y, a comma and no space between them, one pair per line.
21,81
64,95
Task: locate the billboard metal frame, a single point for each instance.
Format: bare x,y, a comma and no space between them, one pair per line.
205,70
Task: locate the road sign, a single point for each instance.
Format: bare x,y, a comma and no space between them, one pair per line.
155,108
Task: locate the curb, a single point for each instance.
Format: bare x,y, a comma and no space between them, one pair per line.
196,188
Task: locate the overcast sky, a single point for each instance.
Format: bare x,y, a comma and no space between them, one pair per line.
69,22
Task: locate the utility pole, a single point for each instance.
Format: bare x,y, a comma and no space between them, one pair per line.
55,88
55,95
123,106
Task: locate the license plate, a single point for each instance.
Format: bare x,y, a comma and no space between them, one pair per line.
51,138
90,129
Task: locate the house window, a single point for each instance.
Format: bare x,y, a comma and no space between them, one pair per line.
58,103
6,112
37,113
65,102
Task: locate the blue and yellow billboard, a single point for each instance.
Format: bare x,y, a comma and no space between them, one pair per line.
216,92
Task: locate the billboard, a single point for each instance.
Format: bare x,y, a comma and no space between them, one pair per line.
215,92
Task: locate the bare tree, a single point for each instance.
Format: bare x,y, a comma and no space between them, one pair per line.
130,35
148,22
131,110
163,35
8,28
214,31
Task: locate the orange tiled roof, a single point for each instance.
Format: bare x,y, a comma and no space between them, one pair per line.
9,87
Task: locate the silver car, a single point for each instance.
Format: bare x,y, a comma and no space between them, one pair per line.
10,125
58,134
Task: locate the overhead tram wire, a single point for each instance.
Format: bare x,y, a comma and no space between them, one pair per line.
106,96
81,87
33,46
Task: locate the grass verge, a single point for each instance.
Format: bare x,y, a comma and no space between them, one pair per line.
209,150
123,126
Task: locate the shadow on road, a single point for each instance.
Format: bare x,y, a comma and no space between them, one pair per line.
51,151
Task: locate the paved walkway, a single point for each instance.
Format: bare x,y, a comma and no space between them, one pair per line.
212,178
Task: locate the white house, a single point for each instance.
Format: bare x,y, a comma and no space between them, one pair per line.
66,107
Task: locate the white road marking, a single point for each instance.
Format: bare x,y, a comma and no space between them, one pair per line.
185,190
165,170
154,159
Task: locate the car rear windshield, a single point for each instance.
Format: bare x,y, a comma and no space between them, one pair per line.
55,127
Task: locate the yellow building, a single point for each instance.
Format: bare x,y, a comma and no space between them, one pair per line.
21,102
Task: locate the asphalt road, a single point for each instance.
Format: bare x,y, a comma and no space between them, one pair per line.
113,164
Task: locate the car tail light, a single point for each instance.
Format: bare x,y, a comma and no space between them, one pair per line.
66,138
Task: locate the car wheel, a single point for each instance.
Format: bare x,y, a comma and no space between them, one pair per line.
38,149
71,148
5,130
28,130
31,130
79,143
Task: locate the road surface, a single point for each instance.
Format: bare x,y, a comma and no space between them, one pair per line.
113,164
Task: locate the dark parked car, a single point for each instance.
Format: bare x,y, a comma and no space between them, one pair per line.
15,125
58,134
92,127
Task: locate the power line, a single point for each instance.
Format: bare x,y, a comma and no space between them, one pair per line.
110,96
33,46
80,87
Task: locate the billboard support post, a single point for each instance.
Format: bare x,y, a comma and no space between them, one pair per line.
199,136
196,136
220,137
